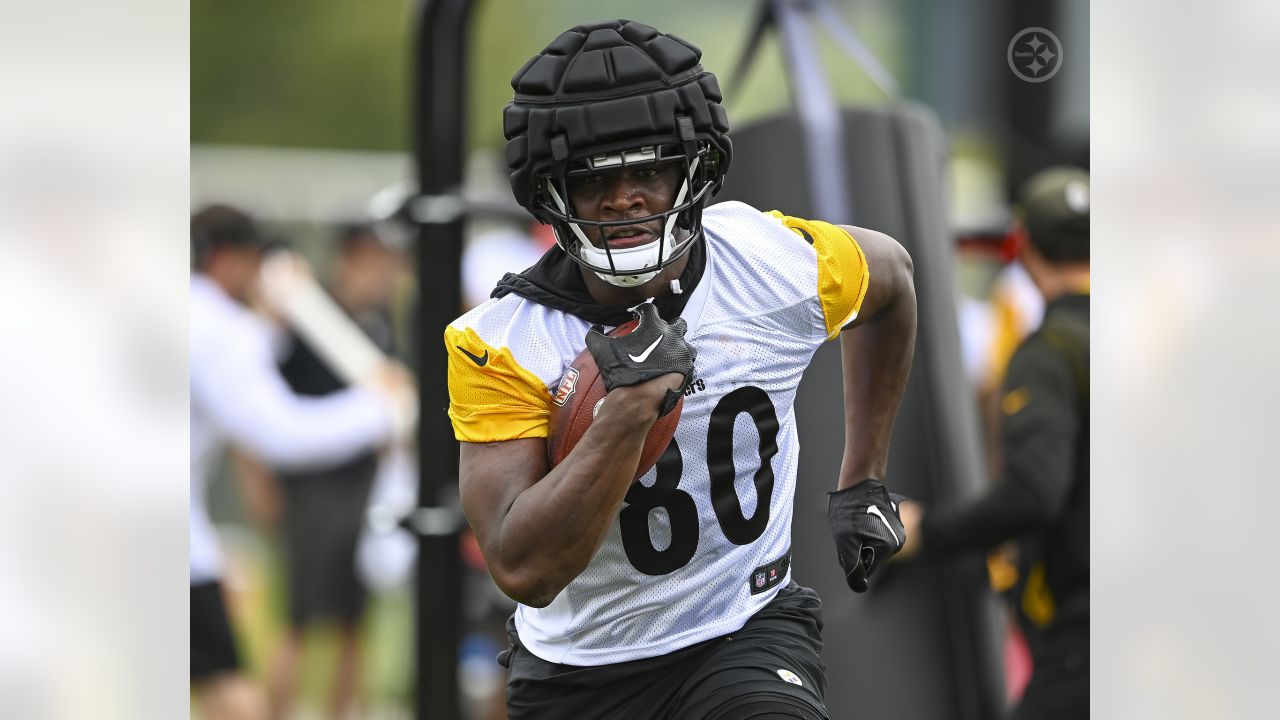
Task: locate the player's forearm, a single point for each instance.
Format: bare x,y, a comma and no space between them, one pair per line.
1032,491
876,359
294,432
1001,514
556,526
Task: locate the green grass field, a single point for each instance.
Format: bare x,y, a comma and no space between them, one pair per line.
257,603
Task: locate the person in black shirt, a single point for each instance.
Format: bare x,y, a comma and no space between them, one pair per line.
1041,499
324,507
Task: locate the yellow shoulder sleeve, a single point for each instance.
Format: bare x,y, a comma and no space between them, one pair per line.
492,398
842,269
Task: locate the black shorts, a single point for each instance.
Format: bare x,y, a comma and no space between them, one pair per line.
323,516
213,647
776,657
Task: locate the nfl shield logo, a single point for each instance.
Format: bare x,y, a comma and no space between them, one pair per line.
568,384
760,579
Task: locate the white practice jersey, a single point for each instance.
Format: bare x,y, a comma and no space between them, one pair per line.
702,541
238,395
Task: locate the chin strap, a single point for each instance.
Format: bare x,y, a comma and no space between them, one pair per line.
627,280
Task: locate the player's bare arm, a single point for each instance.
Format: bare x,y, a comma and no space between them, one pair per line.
539,527
877,349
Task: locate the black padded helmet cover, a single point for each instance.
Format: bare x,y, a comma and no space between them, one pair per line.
605,87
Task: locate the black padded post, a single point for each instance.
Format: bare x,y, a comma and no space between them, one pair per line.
439,139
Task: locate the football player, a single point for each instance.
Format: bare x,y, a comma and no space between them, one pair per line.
671,596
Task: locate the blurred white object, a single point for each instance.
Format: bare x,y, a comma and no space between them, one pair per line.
290,290
385,211
977,326
489,256
386,552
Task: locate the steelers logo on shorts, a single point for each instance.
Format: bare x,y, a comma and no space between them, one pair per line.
789,676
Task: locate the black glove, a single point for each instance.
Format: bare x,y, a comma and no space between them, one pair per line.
864,520
655,348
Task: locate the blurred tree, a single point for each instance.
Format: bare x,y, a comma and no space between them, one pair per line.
338,74
299,73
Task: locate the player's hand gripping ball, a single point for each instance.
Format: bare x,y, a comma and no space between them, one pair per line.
637,351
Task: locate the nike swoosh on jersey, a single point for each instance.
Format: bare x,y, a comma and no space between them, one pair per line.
644,355
479,359
873,510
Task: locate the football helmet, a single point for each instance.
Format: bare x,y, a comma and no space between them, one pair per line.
607,96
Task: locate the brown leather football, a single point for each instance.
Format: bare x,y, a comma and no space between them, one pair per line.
575,403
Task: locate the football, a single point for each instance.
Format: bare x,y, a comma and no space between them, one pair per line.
577,399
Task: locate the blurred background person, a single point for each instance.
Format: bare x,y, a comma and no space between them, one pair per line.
490,255
1042,496
238,396
997,308
323,508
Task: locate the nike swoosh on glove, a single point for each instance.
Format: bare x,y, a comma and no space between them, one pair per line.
653,349
864,520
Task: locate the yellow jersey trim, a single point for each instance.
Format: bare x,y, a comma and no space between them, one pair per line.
1001,572
491,397
1015,400
1037,600
843,275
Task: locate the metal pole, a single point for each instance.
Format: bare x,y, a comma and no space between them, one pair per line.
819,114
439,139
